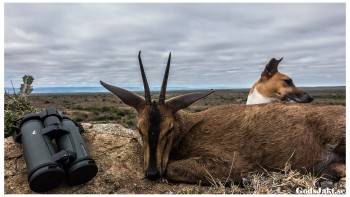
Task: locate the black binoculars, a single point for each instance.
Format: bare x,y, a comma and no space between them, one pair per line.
53,150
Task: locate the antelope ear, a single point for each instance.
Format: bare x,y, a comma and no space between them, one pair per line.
183,101
126,96
271,67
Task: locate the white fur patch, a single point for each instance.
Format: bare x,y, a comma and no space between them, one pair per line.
256,98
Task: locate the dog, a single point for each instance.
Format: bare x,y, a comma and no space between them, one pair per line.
274,86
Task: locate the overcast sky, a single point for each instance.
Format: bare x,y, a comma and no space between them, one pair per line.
212,45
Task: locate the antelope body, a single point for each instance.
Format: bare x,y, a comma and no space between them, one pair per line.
226,142
250,138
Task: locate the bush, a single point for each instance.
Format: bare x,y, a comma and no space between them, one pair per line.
15,106
121,113
79,116
79,107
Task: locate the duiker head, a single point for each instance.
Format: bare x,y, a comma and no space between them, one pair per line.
155,120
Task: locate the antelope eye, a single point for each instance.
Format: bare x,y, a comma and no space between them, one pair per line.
168,133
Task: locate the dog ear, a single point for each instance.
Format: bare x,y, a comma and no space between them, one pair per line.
271,68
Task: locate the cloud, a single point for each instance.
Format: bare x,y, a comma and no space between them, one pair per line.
211,44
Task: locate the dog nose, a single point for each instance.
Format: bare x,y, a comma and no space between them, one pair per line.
152,174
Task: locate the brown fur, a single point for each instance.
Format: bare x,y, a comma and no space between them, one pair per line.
251,138
227,141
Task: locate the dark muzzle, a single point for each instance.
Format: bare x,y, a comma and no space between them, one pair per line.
299,97
152,174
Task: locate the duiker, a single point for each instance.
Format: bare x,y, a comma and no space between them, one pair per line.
226,142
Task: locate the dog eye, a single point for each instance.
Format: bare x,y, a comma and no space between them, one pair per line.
288,82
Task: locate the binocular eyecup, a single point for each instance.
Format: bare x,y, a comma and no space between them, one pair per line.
54,150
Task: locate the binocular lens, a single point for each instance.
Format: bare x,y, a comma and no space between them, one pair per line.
82,172
46,178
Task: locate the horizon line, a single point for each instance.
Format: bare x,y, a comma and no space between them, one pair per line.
231,87
82,89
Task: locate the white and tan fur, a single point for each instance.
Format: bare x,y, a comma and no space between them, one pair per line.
273,87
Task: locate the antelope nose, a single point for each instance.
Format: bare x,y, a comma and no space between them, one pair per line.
152,174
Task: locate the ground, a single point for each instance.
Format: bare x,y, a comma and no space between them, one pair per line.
120,170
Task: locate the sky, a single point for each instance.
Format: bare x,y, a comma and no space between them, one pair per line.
212,45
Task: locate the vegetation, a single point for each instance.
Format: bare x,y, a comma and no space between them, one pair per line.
16,105
122,116
104,108
26,87
284,182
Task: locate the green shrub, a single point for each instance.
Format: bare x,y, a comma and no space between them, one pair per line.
121,113
130,123
79,116
78,107
198,110
105,109
14,107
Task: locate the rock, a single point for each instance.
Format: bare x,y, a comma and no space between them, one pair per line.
118,155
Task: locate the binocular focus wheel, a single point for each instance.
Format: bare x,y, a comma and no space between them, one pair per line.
46,178
82,172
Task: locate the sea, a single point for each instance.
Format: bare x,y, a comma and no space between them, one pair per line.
70,90
78,90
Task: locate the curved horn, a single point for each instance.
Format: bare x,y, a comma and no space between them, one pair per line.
126,96
145,83
165,81
183,101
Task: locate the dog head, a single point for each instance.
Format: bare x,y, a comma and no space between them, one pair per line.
274,86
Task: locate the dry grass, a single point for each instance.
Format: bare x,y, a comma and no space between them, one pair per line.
284,181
